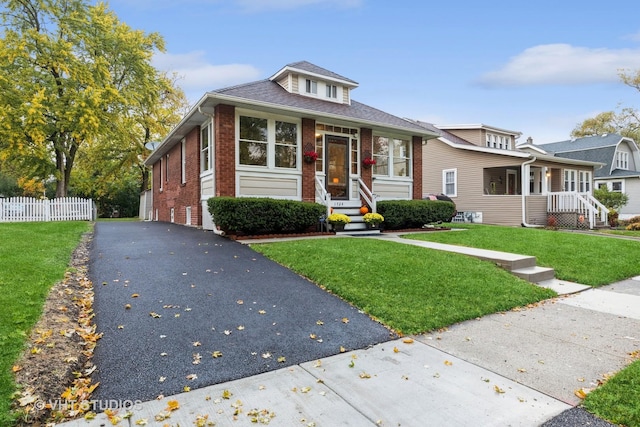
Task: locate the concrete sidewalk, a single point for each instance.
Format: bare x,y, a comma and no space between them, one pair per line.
519,368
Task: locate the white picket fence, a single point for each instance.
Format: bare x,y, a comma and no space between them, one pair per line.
19,209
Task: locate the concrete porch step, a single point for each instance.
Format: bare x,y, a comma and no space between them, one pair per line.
535,274
360,232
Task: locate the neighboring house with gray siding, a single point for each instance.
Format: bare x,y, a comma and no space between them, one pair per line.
621,159
494,182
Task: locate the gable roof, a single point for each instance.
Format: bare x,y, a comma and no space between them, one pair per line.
462,144
596,148
310,69
268,96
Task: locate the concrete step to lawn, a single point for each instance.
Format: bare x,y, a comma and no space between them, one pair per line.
535,274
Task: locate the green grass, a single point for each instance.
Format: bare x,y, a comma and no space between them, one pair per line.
33,257
408,288
618,400
621,232
587,259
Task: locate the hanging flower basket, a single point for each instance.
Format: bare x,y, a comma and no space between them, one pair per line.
310,156
367,162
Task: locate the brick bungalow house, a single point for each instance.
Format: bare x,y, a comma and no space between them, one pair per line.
260,139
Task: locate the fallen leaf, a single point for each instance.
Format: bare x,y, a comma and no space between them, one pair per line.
522,370
18,368
342,349
226,394
216,354
154,315
408,340
282,359
345,320
192,377
395,350
173,405
227,332
498,389
305,389
186,389
448,363
319,323
266,355
312,336
581,392
162,379
197,343
240,328
135,295
240,302
364,375
262,312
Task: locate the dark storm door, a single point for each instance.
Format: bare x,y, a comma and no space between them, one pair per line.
337,167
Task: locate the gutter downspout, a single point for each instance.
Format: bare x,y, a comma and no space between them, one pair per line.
204,113
524,215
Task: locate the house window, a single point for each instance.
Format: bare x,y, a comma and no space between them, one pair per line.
166,169
616,186
253,141
585,181
622,160
312,86
205,149
332,91
183,163
267,142
569,180
319,151
286,144
392,156
450,182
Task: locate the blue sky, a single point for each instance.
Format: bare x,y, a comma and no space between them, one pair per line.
539,68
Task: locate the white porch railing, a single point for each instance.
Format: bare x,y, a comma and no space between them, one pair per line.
580,203
367,195
23,209
322,196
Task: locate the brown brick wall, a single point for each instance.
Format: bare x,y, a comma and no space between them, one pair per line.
417,167
174,193
225,150
366,150
308,169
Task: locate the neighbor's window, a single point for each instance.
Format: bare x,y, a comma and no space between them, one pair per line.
286,144
585,181
569,180
450,182
205,154
616,186
622,160
253,141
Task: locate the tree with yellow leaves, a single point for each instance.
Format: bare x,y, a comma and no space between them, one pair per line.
73,76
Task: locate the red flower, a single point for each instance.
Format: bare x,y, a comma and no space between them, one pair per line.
369,161
310,156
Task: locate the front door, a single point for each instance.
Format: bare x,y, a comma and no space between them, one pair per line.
337,167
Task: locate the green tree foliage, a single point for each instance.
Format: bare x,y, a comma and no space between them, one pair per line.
625,121
72,77
612,199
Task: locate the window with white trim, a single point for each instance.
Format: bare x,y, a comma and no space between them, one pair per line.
622,160
450,182
616,186
161,173
501,142
332,91
311,86
205,148
392,156
267,142
183,161
584,181
569,180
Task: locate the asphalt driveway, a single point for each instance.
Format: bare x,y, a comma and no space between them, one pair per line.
181,307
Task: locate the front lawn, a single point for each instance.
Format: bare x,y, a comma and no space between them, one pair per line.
408,288
587,259
33,257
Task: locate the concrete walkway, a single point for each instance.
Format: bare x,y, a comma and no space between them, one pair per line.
519,368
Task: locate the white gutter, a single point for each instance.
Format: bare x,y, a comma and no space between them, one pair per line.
522,175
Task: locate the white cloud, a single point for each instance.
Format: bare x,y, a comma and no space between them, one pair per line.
197,76
261,5
563,64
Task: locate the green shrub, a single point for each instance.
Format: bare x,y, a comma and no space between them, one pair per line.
633,220
244,215
399,214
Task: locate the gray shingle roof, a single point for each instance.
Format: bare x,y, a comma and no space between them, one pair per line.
596,148
270,92
443,133
585,143
312,68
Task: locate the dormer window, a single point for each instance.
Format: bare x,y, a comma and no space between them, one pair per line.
312,86
332,91
622,160
498,141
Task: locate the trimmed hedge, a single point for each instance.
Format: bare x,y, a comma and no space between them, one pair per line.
400,214
245,215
